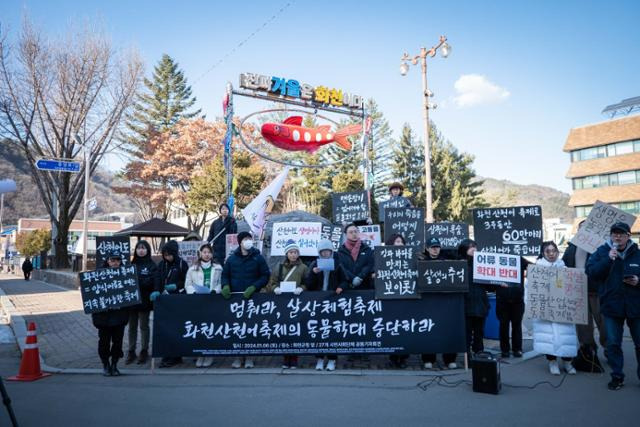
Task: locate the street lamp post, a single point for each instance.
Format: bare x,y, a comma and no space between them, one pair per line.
445,49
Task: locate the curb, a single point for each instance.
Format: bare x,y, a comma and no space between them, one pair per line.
19,326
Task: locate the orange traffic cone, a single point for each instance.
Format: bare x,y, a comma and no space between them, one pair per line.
30,364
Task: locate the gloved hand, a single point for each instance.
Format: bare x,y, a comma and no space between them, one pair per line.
249,291
356,282
226,292
277,290
154,295
170,288
297,291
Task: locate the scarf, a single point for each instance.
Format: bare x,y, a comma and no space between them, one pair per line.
353,247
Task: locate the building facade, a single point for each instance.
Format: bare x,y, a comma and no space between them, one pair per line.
605,166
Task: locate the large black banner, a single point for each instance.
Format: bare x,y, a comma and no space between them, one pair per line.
109,288
514,230
311,323
106,244
350,207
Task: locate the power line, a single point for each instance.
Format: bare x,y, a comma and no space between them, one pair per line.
249,37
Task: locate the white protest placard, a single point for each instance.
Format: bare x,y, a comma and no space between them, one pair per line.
188,251
305,234
597,227
496,269
556,294
370,235
287,286
231,244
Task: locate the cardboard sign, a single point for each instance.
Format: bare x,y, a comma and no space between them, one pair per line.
105,244
189,251
406,221
443,276
396,272
305,234
393,202
333,233
109,288
556,294
370,235
513,230
350,207
450,234
496,269
597,228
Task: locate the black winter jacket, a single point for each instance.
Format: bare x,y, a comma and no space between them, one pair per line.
240,271
172,273
148,279
228,226
514,293
476,301
27,266
314,281
110,318
362,267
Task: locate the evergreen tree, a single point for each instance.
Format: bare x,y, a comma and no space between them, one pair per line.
166,100
380,150
407,162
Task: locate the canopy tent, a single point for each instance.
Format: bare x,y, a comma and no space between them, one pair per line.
154,227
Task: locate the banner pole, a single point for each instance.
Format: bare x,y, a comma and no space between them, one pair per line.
466,361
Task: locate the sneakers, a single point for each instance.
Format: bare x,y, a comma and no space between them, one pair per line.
569,367
199,362
554,368
143,357
248,363
615,384
452,365
113,369
428,365
517,354
131,357
320,364
106,369
331,365
237,363
207,361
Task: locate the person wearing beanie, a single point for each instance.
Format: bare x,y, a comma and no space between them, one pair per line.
245,271
292,269
327,278
223,225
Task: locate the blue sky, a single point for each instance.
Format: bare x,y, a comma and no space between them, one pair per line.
520,75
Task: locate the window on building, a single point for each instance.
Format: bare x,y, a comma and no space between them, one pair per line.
583,211
629,207
609,150
628,177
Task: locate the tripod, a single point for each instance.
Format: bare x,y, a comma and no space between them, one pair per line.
7,402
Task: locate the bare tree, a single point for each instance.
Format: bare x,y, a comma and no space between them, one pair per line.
53,90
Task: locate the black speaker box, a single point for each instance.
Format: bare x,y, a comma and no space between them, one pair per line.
485,370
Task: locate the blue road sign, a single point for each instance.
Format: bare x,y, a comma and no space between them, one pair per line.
58,165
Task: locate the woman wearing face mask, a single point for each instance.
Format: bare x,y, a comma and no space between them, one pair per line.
223,225
555,339
245,271
292,269
148,280
204,274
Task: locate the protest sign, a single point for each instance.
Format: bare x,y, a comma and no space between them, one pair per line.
106,244
305,234
496,269
396,272
309,324
231,244
370,235
350,207
450,234
333,233
188,251
406,221
443,276
597,227
109,288
514,230
393,202
556,294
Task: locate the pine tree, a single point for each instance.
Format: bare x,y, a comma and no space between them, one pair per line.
380,150
166,100
407,161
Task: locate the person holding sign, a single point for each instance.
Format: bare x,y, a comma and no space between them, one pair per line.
356,260
244,271
509,311
433,253
288,276
476,302
110,325
617,265
397,360
223,225
325,275
148,279
554,339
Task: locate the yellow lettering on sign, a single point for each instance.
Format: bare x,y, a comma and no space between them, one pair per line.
322,94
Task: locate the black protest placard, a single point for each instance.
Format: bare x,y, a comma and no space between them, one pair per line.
409,222
333,233
450,234
350,207
109,288
393,202
514,230
396,272
443,276
308,324
118,244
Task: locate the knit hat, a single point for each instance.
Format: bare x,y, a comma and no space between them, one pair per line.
291,245
325,245
243,235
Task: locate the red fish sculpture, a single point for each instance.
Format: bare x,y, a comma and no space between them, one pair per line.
292,136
